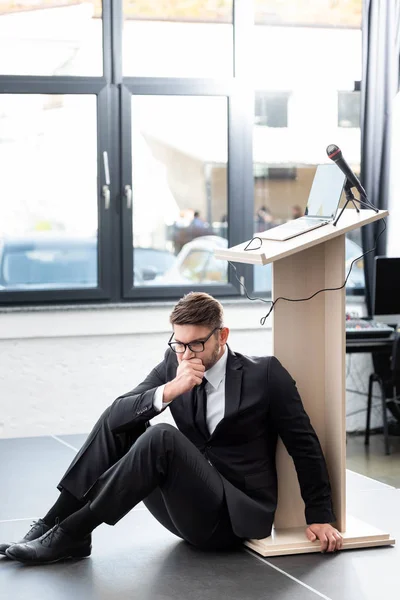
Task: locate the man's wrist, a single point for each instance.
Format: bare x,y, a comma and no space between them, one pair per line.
169,392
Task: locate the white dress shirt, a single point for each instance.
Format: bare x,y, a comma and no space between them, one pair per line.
215,389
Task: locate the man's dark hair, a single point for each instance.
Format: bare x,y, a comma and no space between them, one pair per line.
198,308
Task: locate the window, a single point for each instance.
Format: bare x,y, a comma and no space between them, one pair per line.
349,109
109,180
178,39
126,139
48,211
289,144
51,37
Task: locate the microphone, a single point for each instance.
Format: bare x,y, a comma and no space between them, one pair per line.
335,154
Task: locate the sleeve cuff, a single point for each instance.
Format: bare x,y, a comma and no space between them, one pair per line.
158,404
319,515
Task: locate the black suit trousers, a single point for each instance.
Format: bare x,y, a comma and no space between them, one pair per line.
158,466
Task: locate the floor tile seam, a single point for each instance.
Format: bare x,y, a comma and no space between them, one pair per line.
305,585
64,443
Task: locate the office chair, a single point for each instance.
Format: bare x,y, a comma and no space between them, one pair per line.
393,381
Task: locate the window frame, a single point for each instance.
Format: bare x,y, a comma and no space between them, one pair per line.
239,211
70,86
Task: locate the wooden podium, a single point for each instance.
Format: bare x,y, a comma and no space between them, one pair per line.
309,338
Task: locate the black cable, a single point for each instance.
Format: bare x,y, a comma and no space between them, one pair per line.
273,302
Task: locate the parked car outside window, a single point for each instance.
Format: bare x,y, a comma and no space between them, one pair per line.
53,261
196,263
46,260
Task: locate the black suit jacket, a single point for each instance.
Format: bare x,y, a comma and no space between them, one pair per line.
261,402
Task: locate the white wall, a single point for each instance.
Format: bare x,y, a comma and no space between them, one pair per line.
60,369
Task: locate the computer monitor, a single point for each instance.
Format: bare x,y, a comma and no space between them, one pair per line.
386,299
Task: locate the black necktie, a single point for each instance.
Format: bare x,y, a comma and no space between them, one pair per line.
200,408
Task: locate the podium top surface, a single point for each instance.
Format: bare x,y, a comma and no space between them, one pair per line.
272,250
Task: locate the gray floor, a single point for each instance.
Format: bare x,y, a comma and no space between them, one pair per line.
372,461
139,559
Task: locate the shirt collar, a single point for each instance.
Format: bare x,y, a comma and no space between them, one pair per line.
216,374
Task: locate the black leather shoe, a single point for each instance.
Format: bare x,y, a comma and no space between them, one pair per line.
51,547
37,529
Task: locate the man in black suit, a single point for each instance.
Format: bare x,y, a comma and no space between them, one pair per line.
212,480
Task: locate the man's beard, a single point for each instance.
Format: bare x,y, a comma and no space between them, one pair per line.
213,358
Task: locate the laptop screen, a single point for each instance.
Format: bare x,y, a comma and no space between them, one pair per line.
326,191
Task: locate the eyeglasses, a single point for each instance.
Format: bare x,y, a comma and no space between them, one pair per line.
196,346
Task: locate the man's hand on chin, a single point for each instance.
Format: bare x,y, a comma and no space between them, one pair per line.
329,537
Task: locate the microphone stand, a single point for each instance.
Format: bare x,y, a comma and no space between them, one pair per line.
351,198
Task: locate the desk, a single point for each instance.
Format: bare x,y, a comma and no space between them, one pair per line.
374,345
381,351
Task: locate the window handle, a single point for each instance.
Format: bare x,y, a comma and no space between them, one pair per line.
106,187
128,196
106,196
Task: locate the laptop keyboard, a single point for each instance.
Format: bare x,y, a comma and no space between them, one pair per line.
292,228
304,223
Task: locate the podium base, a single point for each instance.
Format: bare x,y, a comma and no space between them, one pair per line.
294,541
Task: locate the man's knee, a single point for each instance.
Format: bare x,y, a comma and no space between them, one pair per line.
161,434
161,430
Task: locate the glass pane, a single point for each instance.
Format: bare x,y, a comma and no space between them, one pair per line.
304,101
49,37
179,160
330,13
48,204
178,38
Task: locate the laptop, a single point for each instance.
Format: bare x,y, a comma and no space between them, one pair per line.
322,205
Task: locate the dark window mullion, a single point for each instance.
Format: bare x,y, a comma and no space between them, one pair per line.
110,235
69,296
51,85
240,146
240,180
177,291
115,39
107,217
108,13
153,86
126,180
